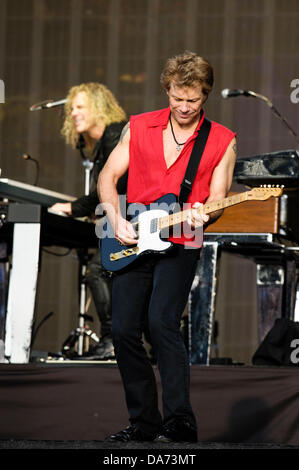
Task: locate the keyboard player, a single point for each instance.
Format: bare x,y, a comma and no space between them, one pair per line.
94,121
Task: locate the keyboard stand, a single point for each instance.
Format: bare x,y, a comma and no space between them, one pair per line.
22,284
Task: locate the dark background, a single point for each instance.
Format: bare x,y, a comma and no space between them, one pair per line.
47,46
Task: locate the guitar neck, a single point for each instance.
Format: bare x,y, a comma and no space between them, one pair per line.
226,202
213,206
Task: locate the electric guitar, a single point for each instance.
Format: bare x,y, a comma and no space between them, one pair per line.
154,220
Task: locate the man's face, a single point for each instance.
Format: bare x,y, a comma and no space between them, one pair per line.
81,114
185,103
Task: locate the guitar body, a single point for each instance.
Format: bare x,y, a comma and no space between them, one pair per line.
116,256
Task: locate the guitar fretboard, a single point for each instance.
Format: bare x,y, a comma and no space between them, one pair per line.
179,217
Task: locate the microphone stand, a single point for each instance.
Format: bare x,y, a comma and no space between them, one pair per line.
82,330
27,157
88,166
275,110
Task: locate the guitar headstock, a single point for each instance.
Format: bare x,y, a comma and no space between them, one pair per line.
265,192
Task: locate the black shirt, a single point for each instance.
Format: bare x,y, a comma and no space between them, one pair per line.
85,205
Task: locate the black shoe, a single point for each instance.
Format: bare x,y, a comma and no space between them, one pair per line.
177,431
131,433
103,351
107,351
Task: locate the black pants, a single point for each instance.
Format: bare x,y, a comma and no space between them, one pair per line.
158,285
100,286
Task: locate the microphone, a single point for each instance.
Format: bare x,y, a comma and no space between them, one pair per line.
228,93
47,104
53,104
27,157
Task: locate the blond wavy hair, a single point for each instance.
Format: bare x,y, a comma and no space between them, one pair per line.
102,104
188,69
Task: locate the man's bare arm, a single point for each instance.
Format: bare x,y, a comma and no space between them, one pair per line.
219,187
115,167
222,178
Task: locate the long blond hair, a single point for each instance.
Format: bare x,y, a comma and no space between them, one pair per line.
102,104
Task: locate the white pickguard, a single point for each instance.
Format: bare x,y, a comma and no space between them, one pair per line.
146,239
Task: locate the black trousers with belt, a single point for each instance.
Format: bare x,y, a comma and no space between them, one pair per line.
156,287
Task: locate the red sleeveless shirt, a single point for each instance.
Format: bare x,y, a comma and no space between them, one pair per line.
149,178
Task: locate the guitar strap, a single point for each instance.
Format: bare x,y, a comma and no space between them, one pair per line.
194,160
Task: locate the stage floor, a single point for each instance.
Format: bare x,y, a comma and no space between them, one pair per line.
66,403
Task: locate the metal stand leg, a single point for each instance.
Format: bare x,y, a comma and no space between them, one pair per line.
270,280
276,287
202,304
296,307
3,287
291,280
82,332
3,296
82,311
